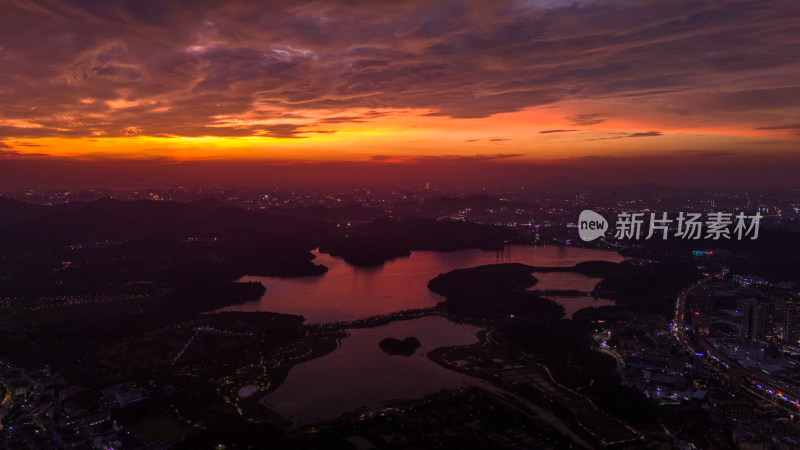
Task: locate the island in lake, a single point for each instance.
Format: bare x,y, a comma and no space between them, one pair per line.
406,347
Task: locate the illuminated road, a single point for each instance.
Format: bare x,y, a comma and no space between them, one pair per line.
678,330
677,324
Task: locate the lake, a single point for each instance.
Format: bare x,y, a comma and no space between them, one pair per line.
360,374
346,292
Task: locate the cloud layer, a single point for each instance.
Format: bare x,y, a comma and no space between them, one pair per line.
294,69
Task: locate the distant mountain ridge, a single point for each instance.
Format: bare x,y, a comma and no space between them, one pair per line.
22,224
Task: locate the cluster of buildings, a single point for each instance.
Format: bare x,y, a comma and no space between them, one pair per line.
655,363
746,314
41,409
732,359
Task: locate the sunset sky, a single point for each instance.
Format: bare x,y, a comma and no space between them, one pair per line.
671,92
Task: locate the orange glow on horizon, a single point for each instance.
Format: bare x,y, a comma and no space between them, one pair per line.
396,136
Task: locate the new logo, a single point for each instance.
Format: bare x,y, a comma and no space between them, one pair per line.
591,225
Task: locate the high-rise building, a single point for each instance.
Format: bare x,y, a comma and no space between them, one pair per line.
697,365
763,320
791,330
702,304
745,309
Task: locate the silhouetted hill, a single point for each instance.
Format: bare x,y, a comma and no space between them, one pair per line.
368,250
100,246
488,278
598,269
210,203
648,288
14,211
496,291
108,219
775,254
379,241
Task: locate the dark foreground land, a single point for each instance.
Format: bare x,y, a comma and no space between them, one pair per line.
105,339
186,371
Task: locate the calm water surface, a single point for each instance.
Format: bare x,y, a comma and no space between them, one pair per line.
360,374
346,292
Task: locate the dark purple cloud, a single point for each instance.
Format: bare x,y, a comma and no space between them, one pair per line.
497,139
646,134
6,150
586,119
630,135
123,67
791,126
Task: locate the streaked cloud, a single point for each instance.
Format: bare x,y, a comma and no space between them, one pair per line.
586,119
791,126
646,134
496,139
347,79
